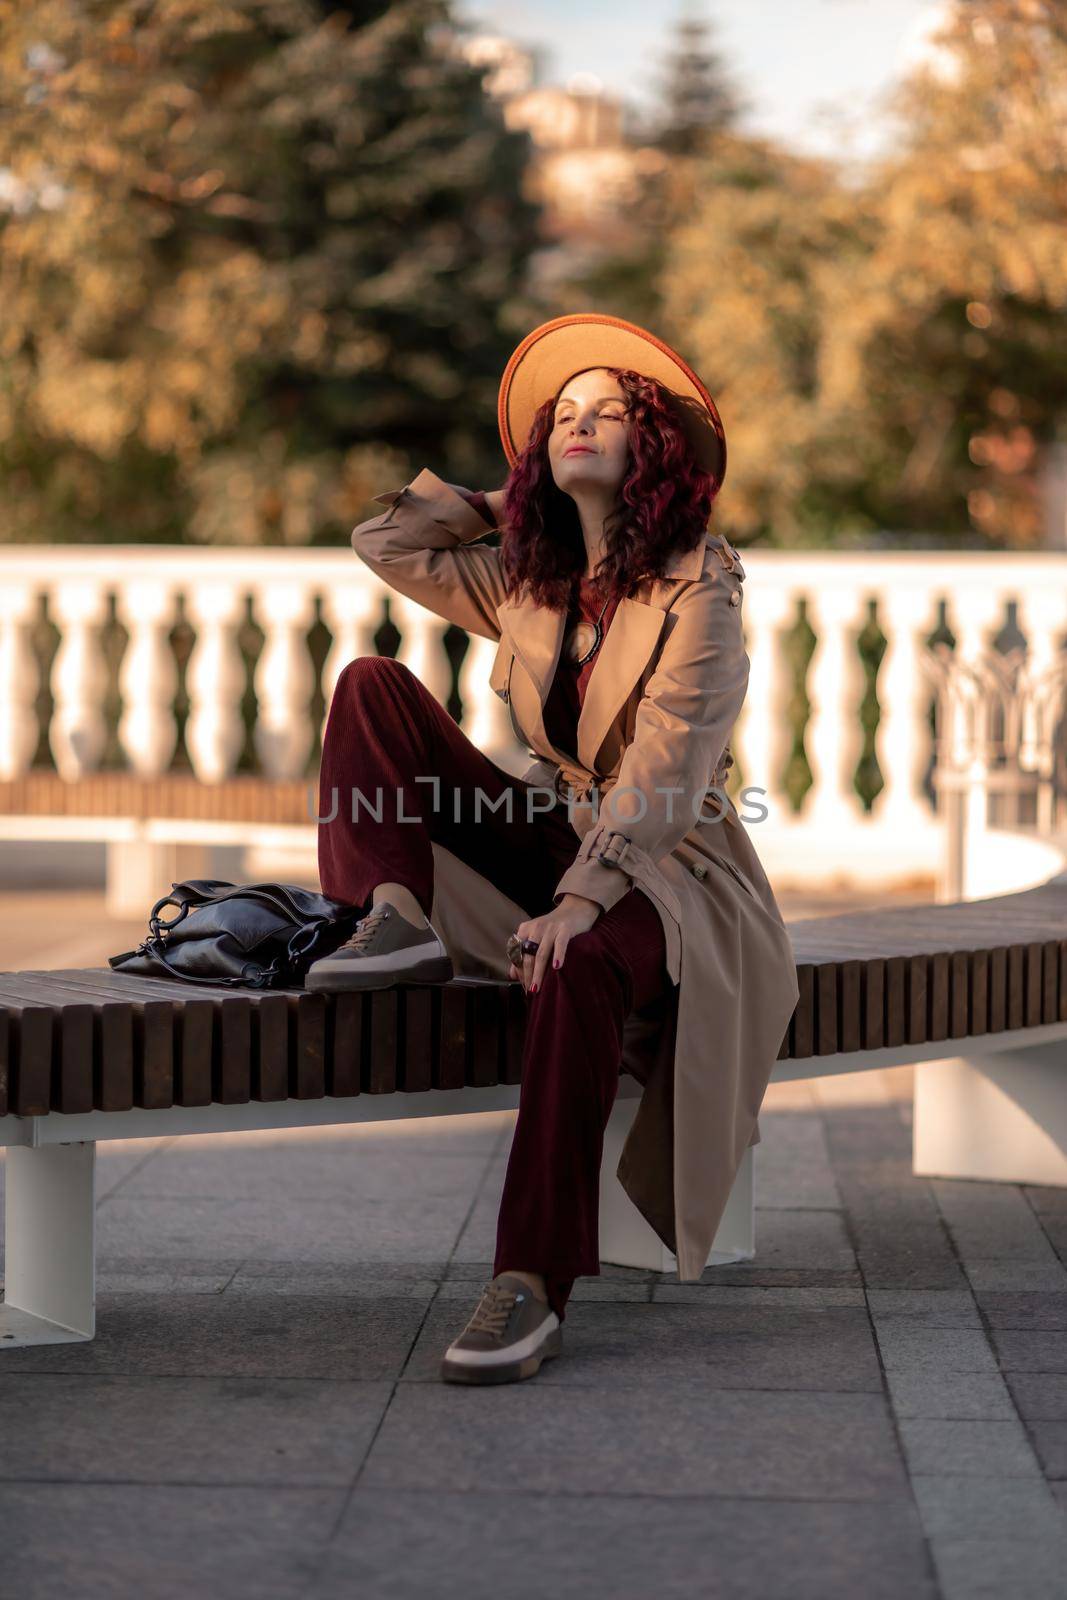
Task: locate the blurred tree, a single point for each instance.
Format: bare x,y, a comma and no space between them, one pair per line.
696,105
256,263
893,356
697,98
954,339
752,280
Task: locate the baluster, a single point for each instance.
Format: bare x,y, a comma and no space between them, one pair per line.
761,742
20,679
353,614
284,679
215,679
77,734
833,738
422,645
903,737
1041,618
148,676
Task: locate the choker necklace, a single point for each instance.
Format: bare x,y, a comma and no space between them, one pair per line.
598,634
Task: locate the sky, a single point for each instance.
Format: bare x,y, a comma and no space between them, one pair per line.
812,69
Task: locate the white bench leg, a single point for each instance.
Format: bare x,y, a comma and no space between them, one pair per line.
626,1240
1001,1117
49,1237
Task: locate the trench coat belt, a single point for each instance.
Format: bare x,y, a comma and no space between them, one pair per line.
571,785
575,786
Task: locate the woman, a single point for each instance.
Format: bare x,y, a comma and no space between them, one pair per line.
622,659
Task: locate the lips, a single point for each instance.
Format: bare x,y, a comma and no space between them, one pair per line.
579,450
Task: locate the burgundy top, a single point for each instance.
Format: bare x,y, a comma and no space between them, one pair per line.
566,693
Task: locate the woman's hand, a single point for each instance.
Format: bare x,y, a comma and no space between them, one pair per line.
553,931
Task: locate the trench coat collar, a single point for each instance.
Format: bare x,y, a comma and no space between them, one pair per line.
535,633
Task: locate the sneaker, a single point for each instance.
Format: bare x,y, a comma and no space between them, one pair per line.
508,1337
384,950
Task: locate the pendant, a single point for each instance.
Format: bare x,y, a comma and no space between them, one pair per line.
583,642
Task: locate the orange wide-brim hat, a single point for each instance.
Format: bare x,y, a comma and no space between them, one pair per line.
558,350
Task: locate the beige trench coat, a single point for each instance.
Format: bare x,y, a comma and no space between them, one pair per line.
660,704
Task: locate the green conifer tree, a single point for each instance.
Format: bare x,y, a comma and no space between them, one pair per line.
257,261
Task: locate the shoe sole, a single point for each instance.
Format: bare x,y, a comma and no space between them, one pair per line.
437,970
504,1371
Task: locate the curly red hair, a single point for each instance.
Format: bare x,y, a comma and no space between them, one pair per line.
663,506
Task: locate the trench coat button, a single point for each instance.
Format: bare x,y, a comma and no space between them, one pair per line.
700,869
735,598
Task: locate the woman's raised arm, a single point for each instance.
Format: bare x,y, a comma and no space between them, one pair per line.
422,545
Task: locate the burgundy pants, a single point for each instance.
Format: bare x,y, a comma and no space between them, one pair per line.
384,731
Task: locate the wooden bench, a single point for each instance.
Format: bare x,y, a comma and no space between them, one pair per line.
974,993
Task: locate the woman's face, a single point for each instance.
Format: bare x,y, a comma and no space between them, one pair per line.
589,445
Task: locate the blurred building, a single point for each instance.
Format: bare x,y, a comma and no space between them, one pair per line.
589,156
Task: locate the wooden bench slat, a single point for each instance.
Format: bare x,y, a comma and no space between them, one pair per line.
347,1041
379,1075
90,1070
72,1050
193,1026
422,1022
133,1051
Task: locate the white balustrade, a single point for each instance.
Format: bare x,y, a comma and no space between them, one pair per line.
19,679
78,730
832,739
905,616
421,646
353,614
148,676
761,742
215,680
284,680
832,832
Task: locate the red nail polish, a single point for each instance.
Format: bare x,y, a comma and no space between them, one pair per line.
554,965
533,988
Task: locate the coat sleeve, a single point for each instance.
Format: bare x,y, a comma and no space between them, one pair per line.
418,546
683,722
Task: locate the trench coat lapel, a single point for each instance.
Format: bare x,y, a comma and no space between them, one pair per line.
535,634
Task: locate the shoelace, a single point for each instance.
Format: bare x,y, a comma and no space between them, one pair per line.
492,1311
366,927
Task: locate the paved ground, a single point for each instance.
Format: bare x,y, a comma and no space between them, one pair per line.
876,1406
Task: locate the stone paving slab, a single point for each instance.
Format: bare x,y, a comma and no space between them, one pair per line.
632,1441
973,1448
984,1274
1033,1311
906,1255
285,1432
241,1336
1041,1396
114,1541
817,1297
949,1395
1013,1508
925,1308
1050,1443
326,1230
425,1543
934,1350
1030,1352
990,1569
